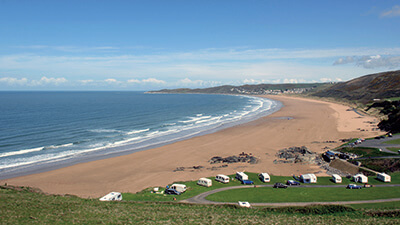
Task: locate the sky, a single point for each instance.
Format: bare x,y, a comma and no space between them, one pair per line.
151,45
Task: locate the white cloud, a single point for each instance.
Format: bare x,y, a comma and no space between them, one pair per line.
253,81
371,62
395,11
153,81
13,81
294,80
111,80
48,81
69,48
201,68
187,81
345,60
134,81
86,81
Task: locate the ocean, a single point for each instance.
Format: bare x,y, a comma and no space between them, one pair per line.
41,131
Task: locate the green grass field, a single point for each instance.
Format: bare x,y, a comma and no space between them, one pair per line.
293,194
25,207
193,189
393,149
393,142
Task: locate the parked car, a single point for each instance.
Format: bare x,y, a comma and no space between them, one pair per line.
279,185
247,182
292,182
353,186
171,191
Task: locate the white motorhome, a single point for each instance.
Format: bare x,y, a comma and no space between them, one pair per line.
336,178
241,176
383,177
112,196
264,177
360,178
179,187
222,178
204,182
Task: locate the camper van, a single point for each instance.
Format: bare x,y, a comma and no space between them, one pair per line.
264,177
383,177
179,187
336,178
112,196
204,182
308,178
222,178
241,176
360,178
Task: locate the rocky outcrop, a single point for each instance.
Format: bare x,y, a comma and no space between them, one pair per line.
297,155
242,157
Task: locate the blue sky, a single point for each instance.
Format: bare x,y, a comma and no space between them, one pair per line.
147,45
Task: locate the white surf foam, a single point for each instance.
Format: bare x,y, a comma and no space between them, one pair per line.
20,152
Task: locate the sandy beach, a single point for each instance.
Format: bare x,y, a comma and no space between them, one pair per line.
301,122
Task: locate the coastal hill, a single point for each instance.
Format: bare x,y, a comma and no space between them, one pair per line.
257,89
366,88
363,89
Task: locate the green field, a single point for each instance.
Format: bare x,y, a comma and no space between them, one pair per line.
26,207
292,194
193,189
393,142
365,151
393,149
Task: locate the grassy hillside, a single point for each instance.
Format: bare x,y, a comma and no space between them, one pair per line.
247,89
366,88
28,207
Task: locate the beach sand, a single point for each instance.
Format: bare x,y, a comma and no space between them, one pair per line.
301,122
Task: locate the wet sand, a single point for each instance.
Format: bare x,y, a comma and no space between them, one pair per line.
301,122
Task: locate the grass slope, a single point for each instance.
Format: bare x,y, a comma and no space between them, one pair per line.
26,207
330,194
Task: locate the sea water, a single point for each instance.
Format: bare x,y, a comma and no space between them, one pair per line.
41,131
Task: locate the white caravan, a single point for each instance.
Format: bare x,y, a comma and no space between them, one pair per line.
204,182
360,178
222,178
383,177
264,177
179,187
241,176
336,178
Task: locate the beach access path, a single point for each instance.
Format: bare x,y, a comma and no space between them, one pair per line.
315,124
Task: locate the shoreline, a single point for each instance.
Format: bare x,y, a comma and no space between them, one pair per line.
314,122
128,149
